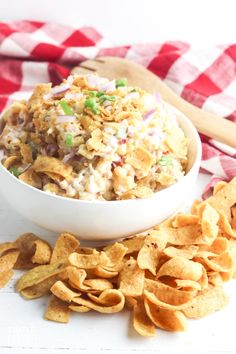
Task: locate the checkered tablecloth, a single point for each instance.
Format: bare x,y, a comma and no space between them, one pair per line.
33,52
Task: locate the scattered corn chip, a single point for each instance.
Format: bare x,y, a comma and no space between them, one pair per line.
104,273
215,279
60,290
88,261
65,245
42,252
8,259
224,199
209,301
115,254
165,319
186,251
181,220
232,248
133,244
209,220
181,268
226,227
40,289
109,301
186,235
195,207
77,278
39,274
165,296
187,285
131,279
141,322
7,246
233,212
32,250
148,255
57,310
221,263
79,308
5,277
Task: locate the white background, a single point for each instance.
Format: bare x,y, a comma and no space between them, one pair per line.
201,22
22,328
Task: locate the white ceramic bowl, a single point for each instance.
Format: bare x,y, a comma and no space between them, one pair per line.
104,220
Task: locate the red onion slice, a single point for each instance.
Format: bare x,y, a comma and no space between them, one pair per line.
65,119
108,87
149,115
56,90
132,96
157,97
69,156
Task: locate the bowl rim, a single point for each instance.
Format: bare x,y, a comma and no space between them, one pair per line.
197,161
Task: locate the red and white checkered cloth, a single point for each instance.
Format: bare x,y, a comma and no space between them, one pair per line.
33,52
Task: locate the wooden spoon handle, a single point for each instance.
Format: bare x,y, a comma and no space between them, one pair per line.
207,123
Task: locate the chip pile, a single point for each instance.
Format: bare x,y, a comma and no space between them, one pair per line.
172,272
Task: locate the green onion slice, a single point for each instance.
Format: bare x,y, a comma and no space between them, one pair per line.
69,140
15,171
104,98
91,103
66,108
165,160
121,82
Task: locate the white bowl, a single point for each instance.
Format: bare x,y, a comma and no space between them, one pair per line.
104,220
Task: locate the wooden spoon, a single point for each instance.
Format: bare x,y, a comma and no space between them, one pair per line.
207,123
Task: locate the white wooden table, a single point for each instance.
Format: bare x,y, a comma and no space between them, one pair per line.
22,327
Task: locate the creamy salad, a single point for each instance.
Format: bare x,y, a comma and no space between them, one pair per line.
93,139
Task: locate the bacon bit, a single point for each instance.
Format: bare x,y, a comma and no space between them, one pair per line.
122,141
59,95
30,127
117,163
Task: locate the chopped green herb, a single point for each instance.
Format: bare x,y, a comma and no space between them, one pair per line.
15,171
121,82
66,108
91,103
93,93
165,160
90,93
100,93
104,98
69,140
134,90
